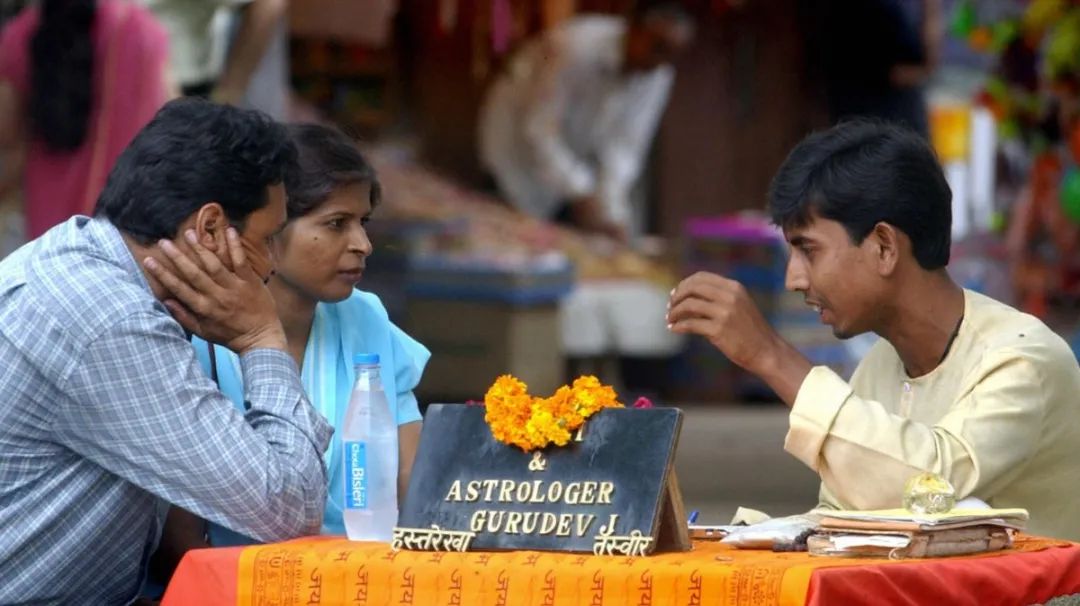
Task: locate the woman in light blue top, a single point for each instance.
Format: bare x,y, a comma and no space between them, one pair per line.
319,258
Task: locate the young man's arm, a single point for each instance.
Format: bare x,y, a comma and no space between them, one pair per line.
863,453
721,310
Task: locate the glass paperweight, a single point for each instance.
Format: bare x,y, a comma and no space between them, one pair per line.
929,493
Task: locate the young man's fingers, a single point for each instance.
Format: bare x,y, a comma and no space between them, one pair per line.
705,289
693,326
691,308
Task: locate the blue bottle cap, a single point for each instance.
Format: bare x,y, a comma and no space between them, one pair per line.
366,359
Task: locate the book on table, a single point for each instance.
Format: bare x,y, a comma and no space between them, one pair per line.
898,533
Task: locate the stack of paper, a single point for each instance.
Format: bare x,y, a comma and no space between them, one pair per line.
898,533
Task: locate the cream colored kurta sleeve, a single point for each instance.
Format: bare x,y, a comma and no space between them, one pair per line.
864,453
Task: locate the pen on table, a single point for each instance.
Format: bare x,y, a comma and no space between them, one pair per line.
693,517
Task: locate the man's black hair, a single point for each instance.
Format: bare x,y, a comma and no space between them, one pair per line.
194,152
862,173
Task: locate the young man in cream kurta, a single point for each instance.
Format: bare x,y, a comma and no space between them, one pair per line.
960,384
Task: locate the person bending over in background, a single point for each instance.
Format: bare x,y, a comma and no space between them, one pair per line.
200,61
564,131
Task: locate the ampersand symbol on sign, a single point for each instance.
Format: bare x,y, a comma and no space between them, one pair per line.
537,463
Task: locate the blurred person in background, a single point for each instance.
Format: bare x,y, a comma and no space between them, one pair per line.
199,32
876,57
565,129
78,79
268,89
12,221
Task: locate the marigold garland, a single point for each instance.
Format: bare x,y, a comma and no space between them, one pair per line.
528,422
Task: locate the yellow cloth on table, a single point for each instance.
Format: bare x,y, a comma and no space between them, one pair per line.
997,418
331,570
337,571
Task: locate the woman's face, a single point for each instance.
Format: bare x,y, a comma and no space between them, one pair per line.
322,254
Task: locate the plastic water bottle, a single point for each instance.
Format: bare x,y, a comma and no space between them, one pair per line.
369,441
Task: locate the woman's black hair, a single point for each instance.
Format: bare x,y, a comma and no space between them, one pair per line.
61,73
328,159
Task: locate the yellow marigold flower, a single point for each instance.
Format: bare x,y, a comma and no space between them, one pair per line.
529,423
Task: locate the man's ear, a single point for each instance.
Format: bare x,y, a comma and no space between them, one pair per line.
210,226
885,243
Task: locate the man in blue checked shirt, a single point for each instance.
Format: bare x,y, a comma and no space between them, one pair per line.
105,415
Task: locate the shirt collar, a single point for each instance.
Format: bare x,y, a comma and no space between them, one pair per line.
111,242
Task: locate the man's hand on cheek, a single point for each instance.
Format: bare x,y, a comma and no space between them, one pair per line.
223,302
258,260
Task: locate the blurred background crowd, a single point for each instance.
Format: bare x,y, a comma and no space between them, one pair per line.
551,168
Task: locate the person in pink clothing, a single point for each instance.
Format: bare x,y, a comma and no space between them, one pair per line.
78,79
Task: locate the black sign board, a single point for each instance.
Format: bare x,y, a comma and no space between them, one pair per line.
605,492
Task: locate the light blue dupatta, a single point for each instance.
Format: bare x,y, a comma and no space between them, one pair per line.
357,325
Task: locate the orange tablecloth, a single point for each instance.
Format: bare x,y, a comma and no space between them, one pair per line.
325,570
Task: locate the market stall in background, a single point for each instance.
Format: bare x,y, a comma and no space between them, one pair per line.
490,289
531,295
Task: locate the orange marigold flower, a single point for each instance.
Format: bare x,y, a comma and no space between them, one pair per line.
529,423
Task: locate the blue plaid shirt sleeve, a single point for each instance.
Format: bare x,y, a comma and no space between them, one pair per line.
142,408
